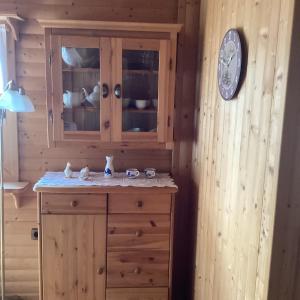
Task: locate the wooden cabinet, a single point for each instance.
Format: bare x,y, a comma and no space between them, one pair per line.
110,243
73,256
115,87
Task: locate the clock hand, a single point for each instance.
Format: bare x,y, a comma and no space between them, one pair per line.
224,62
230,59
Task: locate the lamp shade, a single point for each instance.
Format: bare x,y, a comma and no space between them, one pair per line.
16,101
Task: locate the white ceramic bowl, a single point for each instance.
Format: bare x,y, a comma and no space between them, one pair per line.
141,104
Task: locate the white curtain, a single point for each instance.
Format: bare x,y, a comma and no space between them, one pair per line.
3,58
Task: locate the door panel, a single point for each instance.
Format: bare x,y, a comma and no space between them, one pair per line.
73,260
141,76
80,68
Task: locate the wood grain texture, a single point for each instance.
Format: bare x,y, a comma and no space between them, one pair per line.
137,294
138,269
129,231
284,273
73,204
35,157
73,251
237,147
137,203
187,51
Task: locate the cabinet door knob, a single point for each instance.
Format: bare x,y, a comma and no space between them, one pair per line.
105,90
137,270
140,204
100,271
74,203
139,233
106,124
117,91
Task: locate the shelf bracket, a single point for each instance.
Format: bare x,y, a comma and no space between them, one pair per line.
15,190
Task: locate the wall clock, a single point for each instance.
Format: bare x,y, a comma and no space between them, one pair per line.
230,64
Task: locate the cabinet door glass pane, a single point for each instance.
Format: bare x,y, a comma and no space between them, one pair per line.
81,88
140,90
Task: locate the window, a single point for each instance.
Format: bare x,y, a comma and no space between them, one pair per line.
3,58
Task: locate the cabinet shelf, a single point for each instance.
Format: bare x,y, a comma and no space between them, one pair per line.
85,108
139,72
141,111
81,70
15,189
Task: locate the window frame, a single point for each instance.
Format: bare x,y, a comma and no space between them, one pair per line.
10,129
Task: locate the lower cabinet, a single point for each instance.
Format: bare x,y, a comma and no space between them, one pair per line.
110,246
73,256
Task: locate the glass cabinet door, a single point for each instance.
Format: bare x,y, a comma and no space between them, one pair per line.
80,87
140,89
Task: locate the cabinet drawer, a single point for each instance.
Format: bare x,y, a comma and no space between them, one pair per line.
128,231
139,203
137,294
73,204
138,269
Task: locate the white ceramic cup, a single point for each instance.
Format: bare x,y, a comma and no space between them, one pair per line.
132,173
150,172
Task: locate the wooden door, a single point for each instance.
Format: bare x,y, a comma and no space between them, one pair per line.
73,257
80,70
140,76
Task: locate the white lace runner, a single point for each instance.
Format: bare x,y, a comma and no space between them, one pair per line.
58,179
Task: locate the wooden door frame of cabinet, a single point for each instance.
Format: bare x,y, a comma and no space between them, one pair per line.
55,67
163,46
118,30
114,26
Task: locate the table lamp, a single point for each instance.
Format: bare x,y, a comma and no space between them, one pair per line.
14,100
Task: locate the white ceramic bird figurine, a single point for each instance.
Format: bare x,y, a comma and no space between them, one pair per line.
68,171
84,173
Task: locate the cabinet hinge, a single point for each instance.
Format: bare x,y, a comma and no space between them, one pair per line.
169,121
50,115
171,64
51,56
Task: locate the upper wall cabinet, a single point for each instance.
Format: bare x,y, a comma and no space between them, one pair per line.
111,83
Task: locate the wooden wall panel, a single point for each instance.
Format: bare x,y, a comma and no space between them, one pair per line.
188,15
285,263
237,148
35,157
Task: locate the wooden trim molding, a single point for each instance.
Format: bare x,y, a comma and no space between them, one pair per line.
104,25
12,24
11,148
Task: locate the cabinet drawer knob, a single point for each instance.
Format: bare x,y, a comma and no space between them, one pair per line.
140,204
74,203
105,90
137,270
118,91
139,233
100,271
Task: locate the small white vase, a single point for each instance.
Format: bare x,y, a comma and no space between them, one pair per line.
109,167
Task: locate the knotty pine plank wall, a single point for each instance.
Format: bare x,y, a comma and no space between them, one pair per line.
237,149
35,157
285,263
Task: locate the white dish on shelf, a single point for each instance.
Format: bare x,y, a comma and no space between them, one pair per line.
136,129
141,104
80,57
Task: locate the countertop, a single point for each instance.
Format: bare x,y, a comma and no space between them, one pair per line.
56,182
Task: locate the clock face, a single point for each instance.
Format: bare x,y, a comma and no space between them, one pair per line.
229,64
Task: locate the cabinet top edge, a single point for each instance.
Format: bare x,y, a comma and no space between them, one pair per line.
107,25
104,190
98,183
